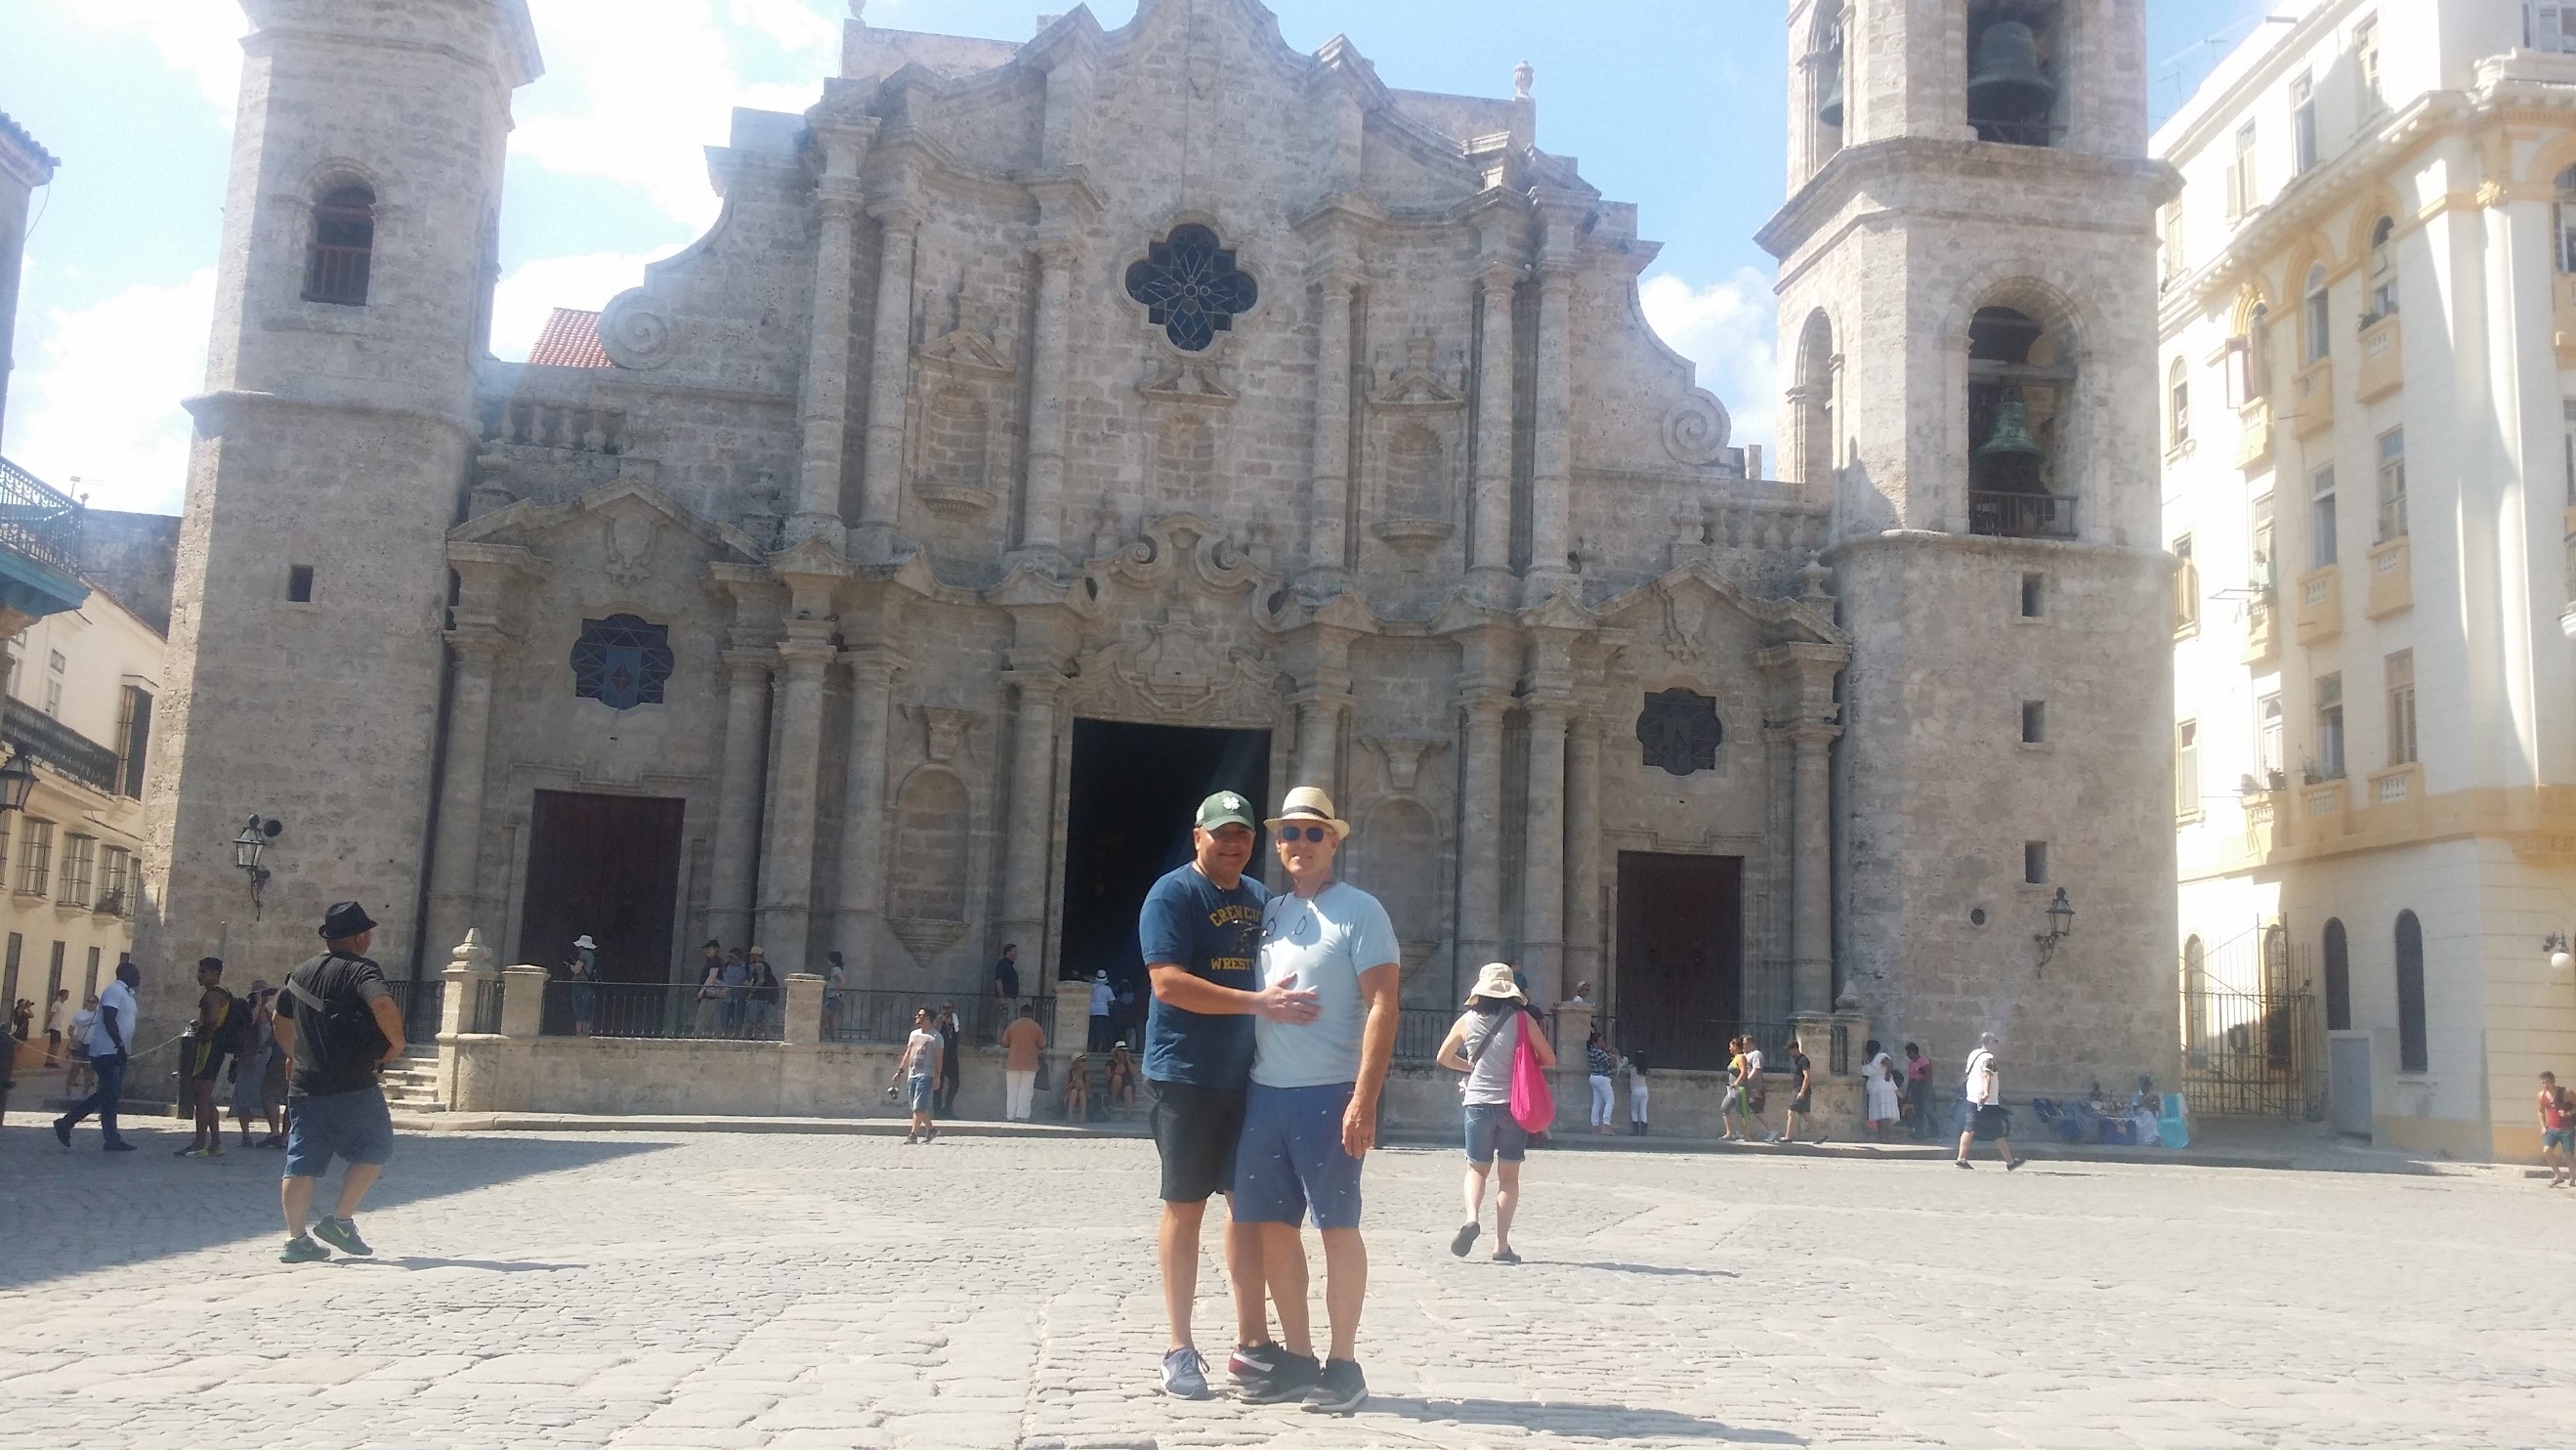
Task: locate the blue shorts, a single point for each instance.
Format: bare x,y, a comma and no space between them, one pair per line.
1291,1158
917,1088
1493,1132
355,1127
2562,1139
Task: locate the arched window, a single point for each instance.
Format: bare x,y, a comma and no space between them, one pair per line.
2195,1001
2256,357
2412,1052
2338,977
2021,380
344,242
2565,217
2178,392
2383,272
2279,997
2320,320
1812,398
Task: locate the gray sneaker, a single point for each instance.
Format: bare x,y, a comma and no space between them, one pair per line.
1185,1375
340,1234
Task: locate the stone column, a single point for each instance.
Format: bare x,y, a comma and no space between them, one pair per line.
1811,864
469,965
1583,850
1490,541
889,380
1030,835
787,864
861,901
1042,506
1543,854
1480,824
822,411
1552,447
738,796
1327,541
456,862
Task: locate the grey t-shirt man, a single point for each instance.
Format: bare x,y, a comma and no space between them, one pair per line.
1325,941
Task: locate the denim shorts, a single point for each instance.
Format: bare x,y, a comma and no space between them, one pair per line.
2563,1139
917,1089
355,1127
1290,1159
1492,1132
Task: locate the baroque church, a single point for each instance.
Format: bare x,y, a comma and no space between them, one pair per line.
1048,433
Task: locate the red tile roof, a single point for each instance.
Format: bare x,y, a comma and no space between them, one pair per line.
571,340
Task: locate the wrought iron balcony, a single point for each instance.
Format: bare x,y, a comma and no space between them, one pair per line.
50,742
37,521
2021,515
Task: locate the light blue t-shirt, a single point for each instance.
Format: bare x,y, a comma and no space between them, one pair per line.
1326,942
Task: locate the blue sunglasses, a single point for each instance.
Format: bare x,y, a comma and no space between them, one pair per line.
1304,833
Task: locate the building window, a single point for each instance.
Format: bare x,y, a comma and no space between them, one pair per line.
1680,732
89,976
2303,124
2173,241
2401,708
2241,177
2563,219
621,661
2383,273
2270,774
9,977
2321,518
79,853
2186,587
2034,722
2266,576
2392,484
55,668
1190,287
2338,977
133,740
2413,1054
2547,25
116,882
2178,395
36,858
2365,61
344,243
2329,706
299,583
2034,862
2187,769
2034,587
2319,316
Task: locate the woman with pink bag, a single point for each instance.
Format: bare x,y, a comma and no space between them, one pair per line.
1495,1042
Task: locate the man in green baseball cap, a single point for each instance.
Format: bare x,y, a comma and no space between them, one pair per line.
1200,934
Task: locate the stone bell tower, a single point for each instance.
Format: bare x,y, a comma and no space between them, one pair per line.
1967,308
330,458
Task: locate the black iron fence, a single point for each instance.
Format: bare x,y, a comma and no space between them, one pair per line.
2021,515
420,999
483,1007
2252,1032
38,521
880,1015
660,1009
1684,1044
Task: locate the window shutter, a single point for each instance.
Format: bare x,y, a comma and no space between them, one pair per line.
2235,190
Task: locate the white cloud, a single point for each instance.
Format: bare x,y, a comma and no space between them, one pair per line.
200,39
523,299
1730,328
97,411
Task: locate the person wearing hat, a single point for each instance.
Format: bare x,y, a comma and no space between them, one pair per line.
1481,1044
1104,1000
585,983
338,1026
1200,935
1311,1114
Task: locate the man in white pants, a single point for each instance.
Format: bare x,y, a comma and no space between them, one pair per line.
1023,1040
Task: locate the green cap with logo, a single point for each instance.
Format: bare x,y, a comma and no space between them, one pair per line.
1225,808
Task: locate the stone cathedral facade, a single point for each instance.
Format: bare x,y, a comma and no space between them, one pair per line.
1050,432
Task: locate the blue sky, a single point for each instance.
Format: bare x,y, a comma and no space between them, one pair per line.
1673,104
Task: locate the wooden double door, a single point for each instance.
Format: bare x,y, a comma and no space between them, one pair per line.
1679,993
605,866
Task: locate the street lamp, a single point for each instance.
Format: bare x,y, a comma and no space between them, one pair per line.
254,838
2560,962
17,780
2061,925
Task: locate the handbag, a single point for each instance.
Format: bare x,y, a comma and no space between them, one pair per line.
1533,1101
1045,1079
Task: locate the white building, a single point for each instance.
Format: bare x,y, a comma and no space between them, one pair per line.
2368,329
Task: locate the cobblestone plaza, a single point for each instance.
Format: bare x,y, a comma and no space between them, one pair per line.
780,1289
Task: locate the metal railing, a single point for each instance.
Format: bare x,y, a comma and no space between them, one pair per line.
50,742
483,1009
659,1009
2021,515
419,999
336,274
883,1015
39,521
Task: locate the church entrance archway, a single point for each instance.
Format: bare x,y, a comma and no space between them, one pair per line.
607,866
1680,988
1135,790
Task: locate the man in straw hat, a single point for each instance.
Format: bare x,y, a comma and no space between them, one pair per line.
1311,1115
338,1026
1199,932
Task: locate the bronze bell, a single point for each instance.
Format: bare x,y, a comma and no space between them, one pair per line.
2011,438
2008,84
1829,99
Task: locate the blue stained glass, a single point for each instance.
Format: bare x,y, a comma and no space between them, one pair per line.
1190,287
621,661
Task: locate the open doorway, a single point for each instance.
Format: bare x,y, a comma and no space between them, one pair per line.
1127,821
1681,957
605,866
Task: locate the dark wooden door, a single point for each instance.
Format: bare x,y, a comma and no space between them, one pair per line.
609,866
1681,957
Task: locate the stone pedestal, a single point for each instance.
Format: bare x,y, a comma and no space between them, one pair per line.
523,1000
1572,1079
804,1024
1072,1029
468,967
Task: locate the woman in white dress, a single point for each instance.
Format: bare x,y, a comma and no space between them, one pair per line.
1879,1090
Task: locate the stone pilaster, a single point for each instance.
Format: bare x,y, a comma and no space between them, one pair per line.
1552,439
458,850
1327,538
1490,538
1583,939
822,411
1803,677
738,795
1542,955
861,900
1042,505
889,379
1037,681
787,864
1480,824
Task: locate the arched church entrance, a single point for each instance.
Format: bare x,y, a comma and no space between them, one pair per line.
1134,793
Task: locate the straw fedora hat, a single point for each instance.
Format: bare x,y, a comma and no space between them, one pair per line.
1309,803
1494,979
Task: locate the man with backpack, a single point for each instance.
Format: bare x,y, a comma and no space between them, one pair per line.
338,1025
220,1034
2557,1130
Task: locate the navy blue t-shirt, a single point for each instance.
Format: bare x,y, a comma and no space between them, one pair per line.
1217,935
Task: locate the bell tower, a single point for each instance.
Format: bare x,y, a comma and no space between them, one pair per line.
1967,308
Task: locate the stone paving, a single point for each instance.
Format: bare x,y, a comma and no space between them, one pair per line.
783,1290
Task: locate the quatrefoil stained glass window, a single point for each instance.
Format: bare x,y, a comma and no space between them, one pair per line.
1190,287
621,661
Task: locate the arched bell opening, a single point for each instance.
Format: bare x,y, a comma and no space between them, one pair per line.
2016,91
2021,381
1827,67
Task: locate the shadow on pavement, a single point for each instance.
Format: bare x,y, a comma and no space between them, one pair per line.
81,1207
496,1266
1665,1270
1607,1421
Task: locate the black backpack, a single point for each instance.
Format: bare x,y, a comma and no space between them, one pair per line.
233,1039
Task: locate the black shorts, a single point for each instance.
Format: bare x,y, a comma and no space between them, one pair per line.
1196,1130
209,1065
1991,1122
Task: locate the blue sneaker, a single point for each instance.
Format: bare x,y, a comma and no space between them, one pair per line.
1185,1375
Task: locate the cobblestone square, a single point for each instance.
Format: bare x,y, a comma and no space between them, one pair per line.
790,1289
